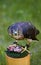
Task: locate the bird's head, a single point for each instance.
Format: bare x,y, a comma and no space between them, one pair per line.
16,33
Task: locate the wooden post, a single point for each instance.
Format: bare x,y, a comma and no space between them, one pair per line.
18,61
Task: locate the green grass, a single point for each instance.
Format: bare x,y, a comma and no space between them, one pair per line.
12,11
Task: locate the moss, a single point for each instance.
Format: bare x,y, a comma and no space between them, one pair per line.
16,55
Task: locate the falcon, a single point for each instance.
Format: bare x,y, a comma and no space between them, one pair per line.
21,30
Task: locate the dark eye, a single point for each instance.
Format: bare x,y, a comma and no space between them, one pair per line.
15,34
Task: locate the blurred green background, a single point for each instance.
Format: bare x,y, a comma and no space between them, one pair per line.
12,11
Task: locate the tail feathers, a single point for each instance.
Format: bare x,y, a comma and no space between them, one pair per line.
35,39
37,32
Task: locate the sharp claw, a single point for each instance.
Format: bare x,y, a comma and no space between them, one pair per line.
28,51
22,51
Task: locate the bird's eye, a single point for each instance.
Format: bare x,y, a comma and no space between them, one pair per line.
15,34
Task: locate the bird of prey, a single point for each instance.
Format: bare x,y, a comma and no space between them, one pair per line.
21,30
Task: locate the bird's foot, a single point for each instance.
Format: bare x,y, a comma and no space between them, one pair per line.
25,49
